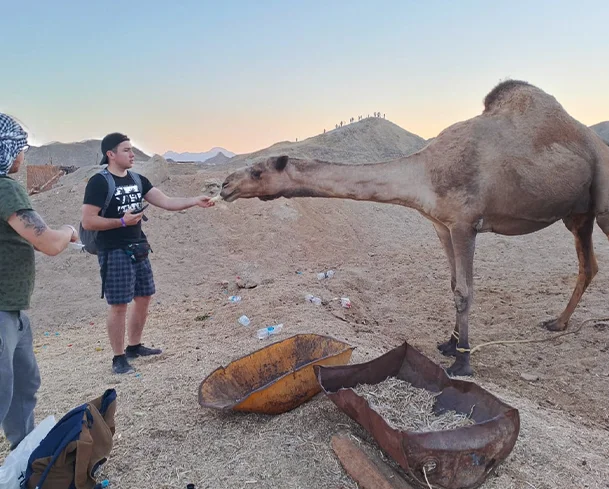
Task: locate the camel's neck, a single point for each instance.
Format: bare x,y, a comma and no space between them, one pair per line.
404,182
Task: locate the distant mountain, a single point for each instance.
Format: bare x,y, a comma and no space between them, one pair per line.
219,159
367,141
602,129
197,157
84,153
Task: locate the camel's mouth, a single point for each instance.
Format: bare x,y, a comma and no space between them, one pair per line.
229,196
269,197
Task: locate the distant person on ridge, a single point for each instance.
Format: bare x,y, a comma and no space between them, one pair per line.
22,231
123,248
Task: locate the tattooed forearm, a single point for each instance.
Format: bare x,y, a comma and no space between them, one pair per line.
31,219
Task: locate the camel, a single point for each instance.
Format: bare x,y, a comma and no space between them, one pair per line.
521,165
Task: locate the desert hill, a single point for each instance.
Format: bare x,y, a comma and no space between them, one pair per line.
369,140
197,157
219,159
84,153
602,129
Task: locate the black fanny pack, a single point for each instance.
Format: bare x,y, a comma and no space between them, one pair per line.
138,251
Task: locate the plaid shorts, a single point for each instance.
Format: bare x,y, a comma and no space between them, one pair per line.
124,278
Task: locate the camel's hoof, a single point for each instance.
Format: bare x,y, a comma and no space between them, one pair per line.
460,369
553,325
448,349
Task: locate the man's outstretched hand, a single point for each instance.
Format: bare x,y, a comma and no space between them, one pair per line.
204,201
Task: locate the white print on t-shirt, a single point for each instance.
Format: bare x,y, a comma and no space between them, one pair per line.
129,198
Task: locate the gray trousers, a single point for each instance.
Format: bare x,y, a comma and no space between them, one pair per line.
19,376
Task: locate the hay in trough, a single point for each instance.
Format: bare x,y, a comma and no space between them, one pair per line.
409,408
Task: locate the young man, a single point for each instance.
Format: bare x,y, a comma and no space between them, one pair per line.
123,248
21,231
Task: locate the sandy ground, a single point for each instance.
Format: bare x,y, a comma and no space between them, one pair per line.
389,262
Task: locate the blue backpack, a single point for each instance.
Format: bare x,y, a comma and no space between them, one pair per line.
89,238
73,452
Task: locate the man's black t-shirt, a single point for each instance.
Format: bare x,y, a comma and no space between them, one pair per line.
127,197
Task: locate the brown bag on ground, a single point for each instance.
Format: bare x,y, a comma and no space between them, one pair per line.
73,452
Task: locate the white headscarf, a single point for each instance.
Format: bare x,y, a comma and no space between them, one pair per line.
12,141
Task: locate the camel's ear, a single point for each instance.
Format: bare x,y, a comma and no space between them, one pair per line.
281,162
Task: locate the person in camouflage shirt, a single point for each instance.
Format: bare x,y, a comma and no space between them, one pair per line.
22,231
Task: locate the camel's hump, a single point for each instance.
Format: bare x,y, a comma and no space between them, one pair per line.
512,94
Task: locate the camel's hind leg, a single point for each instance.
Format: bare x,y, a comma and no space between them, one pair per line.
449,348
581,227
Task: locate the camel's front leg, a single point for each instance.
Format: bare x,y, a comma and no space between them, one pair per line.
463,238
449,348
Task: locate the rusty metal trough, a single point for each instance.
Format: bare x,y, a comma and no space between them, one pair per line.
461,458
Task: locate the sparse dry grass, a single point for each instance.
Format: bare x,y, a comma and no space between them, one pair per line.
408,408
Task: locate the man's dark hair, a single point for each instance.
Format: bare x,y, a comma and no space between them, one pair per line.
110,143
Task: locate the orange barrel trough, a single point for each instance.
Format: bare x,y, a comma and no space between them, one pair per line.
274,379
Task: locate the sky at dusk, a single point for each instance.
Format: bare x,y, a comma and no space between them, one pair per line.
191,75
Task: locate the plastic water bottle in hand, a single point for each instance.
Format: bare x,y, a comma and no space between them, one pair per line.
269,331
76,246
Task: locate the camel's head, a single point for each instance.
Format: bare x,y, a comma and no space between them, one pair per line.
266,180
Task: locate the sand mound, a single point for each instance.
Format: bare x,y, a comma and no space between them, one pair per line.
369,140
602,129
84,153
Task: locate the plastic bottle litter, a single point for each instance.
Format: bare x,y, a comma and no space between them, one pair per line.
313,299
234,298
328,274
345,302
269,331
76,246
103,484
244,320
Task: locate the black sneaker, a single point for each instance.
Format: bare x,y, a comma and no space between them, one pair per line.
120,365
141,351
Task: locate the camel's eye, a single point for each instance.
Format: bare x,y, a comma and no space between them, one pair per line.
256,173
